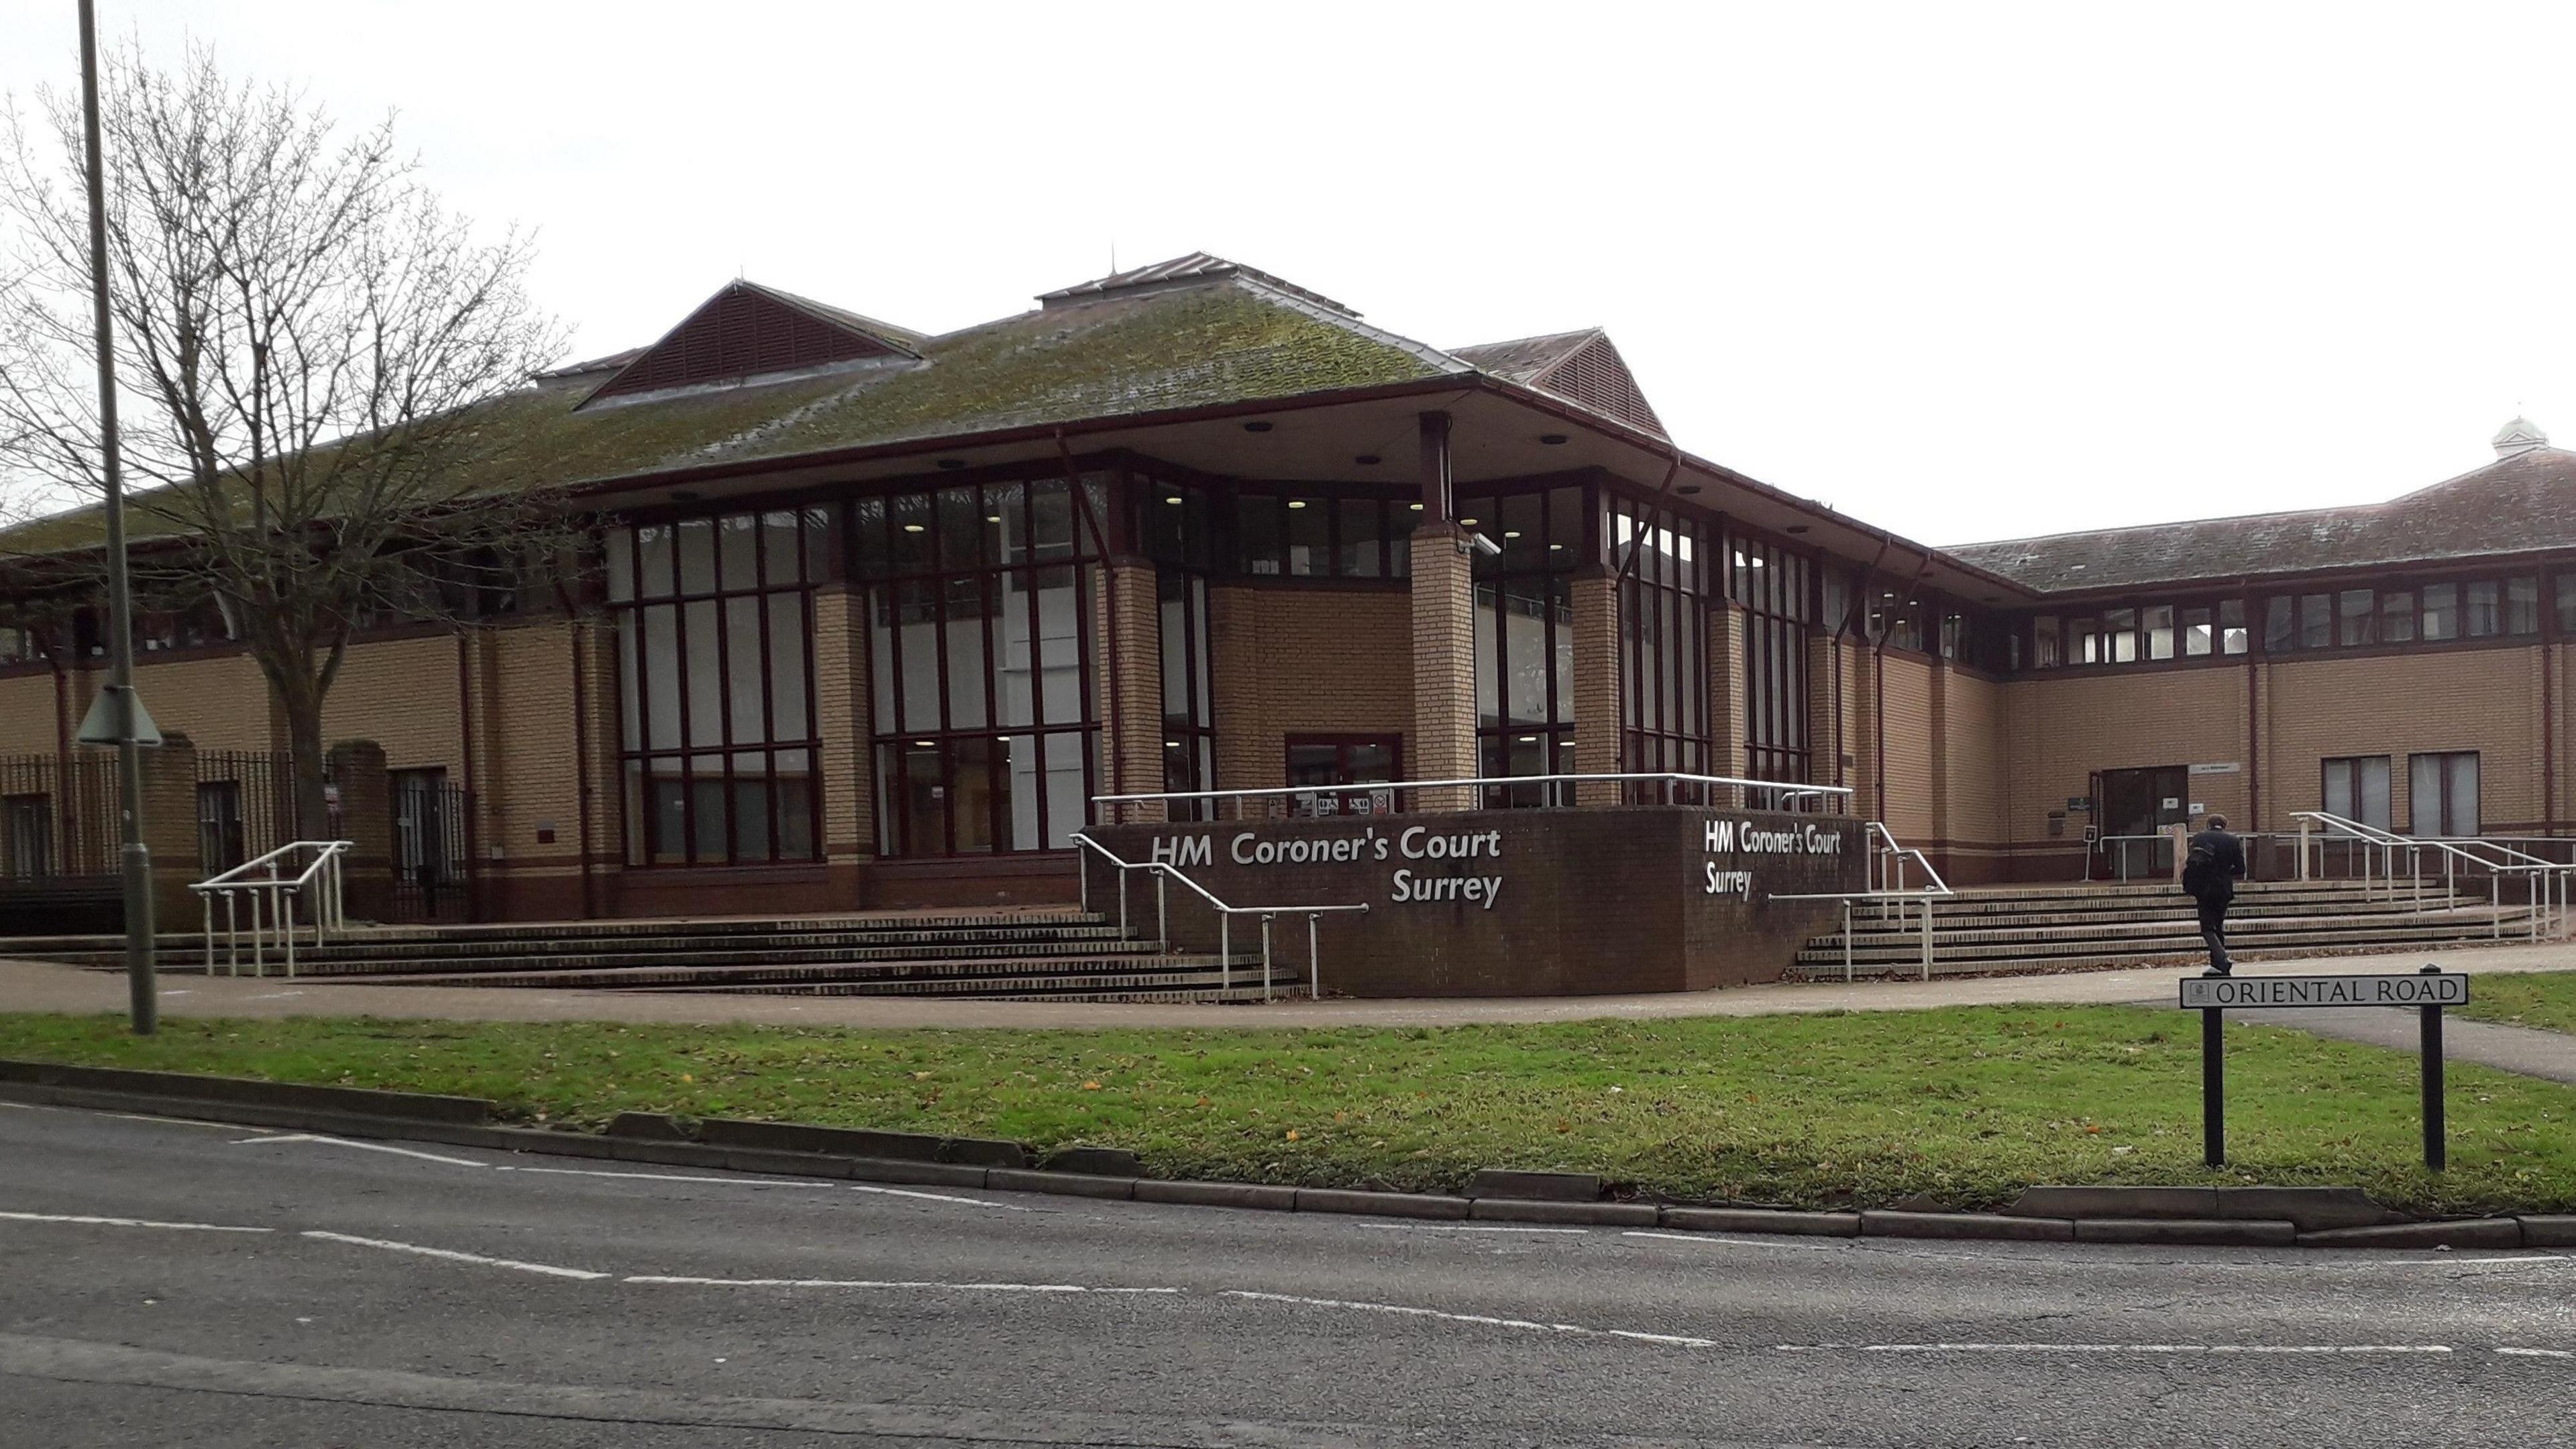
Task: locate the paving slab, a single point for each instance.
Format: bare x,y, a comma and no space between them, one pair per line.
52,987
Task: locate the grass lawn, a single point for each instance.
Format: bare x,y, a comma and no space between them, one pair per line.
2539,998
1965,1105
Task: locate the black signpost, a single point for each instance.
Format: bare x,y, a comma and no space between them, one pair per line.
2211,994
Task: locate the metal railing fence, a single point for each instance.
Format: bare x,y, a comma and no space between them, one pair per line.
307,871
1495,792
1225,915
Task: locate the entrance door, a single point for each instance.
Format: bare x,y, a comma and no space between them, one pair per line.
2138,803
1343,760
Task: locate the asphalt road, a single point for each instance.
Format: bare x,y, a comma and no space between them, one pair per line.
180,1283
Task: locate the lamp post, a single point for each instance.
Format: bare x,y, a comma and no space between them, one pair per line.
123,714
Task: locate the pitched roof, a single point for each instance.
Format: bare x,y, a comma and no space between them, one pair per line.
1524,358
2515,504
1230,337
748,331
1179,271
1580,367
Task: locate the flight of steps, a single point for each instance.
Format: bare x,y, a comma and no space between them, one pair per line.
1015,955
2079,926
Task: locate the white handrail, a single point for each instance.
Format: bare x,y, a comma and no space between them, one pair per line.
321,883
1780,789
2549,876
1225,917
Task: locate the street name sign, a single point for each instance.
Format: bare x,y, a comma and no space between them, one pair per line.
2428,991
2414,989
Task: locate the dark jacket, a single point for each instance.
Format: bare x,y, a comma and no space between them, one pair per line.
2226,866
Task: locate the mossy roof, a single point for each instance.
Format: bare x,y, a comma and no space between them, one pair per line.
1234,340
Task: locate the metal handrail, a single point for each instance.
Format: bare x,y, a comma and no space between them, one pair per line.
322,880
1225,917
1780,789
2539,875
1884,847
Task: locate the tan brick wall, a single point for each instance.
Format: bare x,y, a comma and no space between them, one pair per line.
1973,734
1904,706
402,694
27,719
2486,700
1443,744
1306,661
219,701
1133,731
1596,684
1728,690
2059,731
841,704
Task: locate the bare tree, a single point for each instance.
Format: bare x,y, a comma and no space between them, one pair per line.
304,334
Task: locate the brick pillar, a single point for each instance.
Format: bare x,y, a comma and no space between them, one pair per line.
1134,730
845,774
1729,691
170,833
367,821
1444,665
1829,693
1597,719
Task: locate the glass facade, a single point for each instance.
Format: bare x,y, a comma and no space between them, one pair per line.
1524,633
1774,586
718,743
980,601
1666,573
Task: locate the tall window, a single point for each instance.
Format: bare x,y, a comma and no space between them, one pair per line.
1663,638
2442,793
1189,710
1524,632
2356,789
980,603
715,640
1771,584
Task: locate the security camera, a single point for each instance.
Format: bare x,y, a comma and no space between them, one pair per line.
1485,546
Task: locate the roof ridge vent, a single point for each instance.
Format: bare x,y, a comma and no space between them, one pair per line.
2518,437
1195,269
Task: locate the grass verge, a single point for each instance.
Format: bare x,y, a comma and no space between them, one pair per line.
1964,1105
2545,999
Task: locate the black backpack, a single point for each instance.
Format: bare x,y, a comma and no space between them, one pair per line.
2199,869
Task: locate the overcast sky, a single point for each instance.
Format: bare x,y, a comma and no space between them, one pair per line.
1966,271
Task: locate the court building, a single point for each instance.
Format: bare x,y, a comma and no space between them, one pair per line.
878,619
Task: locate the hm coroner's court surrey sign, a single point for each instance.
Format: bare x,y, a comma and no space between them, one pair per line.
1525,902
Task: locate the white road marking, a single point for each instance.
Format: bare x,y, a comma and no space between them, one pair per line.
671,1280
451,1255
129,1223
1482,1320
1466,1228
366,1147
2539,1352
745,1181
1796,1244
2113,1348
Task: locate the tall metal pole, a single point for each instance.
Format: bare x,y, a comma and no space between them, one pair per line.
137,859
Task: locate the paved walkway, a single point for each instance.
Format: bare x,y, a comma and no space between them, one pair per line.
42,986
2522,1049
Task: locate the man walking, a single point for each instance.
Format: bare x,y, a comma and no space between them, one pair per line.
2213,864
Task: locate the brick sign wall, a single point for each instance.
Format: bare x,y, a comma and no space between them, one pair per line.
1512,902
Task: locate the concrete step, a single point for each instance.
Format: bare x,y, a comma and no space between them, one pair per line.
2197,956
725,976
1828,957
730,953
1980,933
190,937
